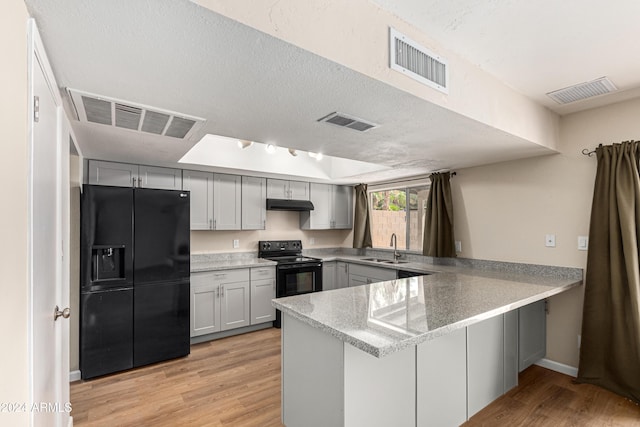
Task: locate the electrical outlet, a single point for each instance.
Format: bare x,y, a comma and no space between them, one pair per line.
458,246
550,240
312,241
236,243
579,340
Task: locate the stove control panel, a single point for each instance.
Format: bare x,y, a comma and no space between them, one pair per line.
279,245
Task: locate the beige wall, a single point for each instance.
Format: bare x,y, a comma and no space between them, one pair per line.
13,172
355,33
281,225
503,211
74,257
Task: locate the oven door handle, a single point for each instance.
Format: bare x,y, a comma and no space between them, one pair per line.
298,266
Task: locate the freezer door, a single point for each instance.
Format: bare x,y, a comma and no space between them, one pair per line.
106,332
161,325
161,236
106,238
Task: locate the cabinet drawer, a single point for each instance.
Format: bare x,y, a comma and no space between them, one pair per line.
382,274
260,273
230,276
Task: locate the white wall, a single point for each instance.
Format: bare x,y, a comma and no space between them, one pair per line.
355,33
503,211
13,172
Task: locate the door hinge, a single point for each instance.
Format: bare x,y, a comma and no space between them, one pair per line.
36,109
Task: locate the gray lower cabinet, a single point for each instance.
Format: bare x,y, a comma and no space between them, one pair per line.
364,275
532,334
130,175
328,275
442,361
219,301
342,274
263,290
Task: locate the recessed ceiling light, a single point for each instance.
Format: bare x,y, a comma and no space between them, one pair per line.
270,148
317,156
293,152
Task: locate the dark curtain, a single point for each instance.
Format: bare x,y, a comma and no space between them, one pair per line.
362,219
610,349
438,238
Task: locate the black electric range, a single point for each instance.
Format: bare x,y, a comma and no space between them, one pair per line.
295,273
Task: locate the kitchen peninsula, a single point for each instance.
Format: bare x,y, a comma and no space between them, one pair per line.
427,350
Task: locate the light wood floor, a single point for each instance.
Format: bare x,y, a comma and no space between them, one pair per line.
236,382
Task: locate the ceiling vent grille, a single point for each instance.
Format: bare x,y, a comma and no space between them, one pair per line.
417,62
344,120
98,109
582,91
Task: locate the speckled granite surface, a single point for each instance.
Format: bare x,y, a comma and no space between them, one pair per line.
227,261
380,319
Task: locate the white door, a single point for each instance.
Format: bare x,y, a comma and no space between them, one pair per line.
49,387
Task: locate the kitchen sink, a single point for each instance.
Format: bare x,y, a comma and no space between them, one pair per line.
384,261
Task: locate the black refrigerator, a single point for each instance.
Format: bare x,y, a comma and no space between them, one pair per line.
134,278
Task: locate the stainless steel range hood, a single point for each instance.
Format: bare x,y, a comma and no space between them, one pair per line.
289,205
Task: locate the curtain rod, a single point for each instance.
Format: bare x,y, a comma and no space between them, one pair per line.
586,151
415,178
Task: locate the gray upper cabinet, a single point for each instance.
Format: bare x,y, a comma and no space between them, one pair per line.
333,208
200,184
254,195
227,202
290,190
215,200
160,178
128,175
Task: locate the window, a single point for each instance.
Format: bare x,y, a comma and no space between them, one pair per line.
400,211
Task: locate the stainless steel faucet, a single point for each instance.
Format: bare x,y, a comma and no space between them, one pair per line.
394,243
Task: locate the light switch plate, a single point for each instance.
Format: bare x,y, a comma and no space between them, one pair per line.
458,246
236,243
583,243
312,241
550,240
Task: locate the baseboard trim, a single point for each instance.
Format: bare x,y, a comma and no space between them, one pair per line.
558,367
74,376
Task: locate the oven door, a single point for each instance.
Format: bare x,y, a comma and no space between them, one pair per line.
296,279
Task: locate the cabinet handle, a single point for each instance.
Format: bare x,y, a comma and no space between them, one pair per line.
134,181
218,292
264,224
214,224
222,290
211,224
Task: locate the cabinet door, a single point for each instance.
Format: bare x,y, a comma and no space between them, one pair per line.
234,305
298,190
355,280
532,334
342,207
227,202
342,274
161,178
262,292
320,217
485,363
113,174
254,195
200,184
205,305
277,189
328,276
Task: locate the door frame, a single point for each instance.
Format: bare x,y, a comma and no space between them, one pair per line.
37,57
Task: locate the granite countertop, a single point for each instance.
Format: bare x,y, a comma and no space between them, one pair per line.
228,264
380,320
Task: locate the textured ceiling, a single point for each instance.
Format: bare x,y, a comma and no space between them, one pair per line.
175,55
538,46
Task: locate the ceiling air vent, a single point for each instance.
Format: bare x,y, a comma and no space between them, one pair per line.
417,62
582,91
344,120
99,109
